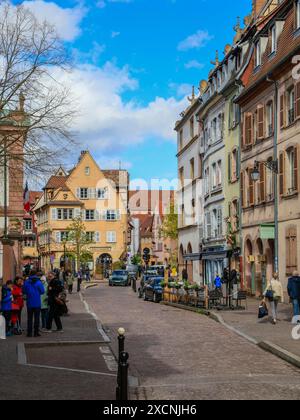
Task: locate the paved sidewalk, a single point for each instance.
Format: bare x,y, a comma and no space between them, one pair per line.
248,323
59,366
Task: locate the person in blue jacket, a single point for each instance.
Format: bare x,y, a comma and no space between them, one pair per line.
33,289
294,292
218,282
6,305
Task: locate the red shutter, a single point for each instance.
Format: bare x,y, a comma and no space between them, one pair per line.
260,122
296,166
281,174
282,111
297,100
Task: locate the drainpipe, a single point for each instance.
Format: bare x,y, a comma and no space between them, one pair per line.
275,159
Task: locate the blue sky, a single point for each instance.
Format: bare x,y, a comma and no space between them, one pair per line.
134,63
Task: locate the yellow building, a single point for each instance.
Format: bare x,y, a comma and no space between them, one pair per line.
99,198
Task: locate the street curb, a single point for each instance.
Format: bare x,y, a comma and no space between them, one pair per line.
98,323
280,352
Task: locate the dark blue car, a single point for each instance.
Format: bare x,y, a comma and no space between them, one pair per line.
153,290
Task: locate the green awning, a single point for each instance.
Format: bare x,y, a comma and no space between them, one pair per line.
267,231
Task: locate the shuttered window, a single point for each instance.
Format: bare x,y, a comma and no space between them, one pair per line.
291,250
251,189
281,174
260,122
282,111
297,100
262,183
248,130
296,168
243,189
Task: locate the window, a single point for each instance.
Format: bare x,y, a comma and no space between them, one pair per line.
248,130
292,170
219,174
28,224
291,106
90,215
112,215
65,214
214,176
192,132
270,119
297,14
62,236
291,250
180,139
260,122
192,166
84,193
87,171
258,53
273,39
269,183
102,193
208,225
111,237
219,223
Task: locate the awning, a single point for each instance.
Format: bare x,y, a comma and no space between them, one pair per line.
215,255
192,257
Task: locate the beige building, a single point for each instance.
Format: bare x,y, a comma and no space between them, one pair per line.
99,198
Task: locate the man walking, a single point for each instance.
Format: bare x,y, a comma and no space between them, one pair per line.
294,292
33,289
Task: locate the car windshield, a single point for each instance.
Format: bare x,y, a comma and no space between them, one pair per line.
119,273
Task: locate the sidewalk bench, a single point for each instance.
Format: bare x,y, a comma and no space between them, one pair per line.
239,297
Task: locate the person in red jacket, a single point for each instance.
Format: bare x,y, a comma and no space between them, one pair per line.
17,305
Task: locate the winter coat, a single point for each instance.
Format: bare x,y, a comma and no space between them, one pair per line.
277,289
218,282
44,297
18,301
34,289
54,290
294,287
6,299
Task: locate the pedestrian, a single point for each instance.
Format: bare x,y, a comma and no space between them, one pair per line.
70,281
88,274
274,294
17,305
294,293
44,302
6,306
55,288
79,280
218,282
33,289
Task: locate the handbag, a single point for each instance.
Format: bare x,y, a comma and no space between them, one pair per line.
270,293
59,301
263,311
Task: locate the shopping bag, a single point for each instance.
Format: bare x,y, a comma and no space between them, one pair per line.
262,311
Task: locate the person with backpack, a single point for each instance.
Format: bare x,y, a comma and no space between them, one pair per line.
274,294
6,306
33,289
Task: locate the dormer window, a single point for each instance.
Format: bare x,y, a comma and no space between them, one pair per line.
297,14
87,171
257,54
273,39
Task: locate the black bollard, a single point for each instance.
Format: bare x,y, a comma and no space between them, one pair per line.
121,341
124,365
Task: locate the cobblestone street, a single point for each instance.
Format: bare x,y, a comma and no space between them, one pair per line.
177,354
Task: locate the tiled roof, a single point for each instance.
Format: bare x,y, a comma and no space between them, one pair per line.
113,175
56,182
288,43
146,224
34,195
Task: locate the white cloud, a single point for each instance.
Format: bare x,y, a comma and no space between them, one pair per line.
107,124
66,20
194,64
197,40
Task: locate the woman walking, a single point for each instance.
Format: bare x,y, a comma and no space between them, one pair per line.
70,281
274,294
55,288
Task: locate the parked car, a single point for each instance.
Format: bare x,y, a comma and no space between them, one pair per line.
153,290
146,278
119,278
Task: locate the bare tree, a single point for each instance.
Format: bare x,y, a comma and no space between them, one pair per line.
36,110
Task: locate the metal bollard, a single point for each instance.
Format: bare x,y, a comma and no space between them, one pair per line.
124,376
121,341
